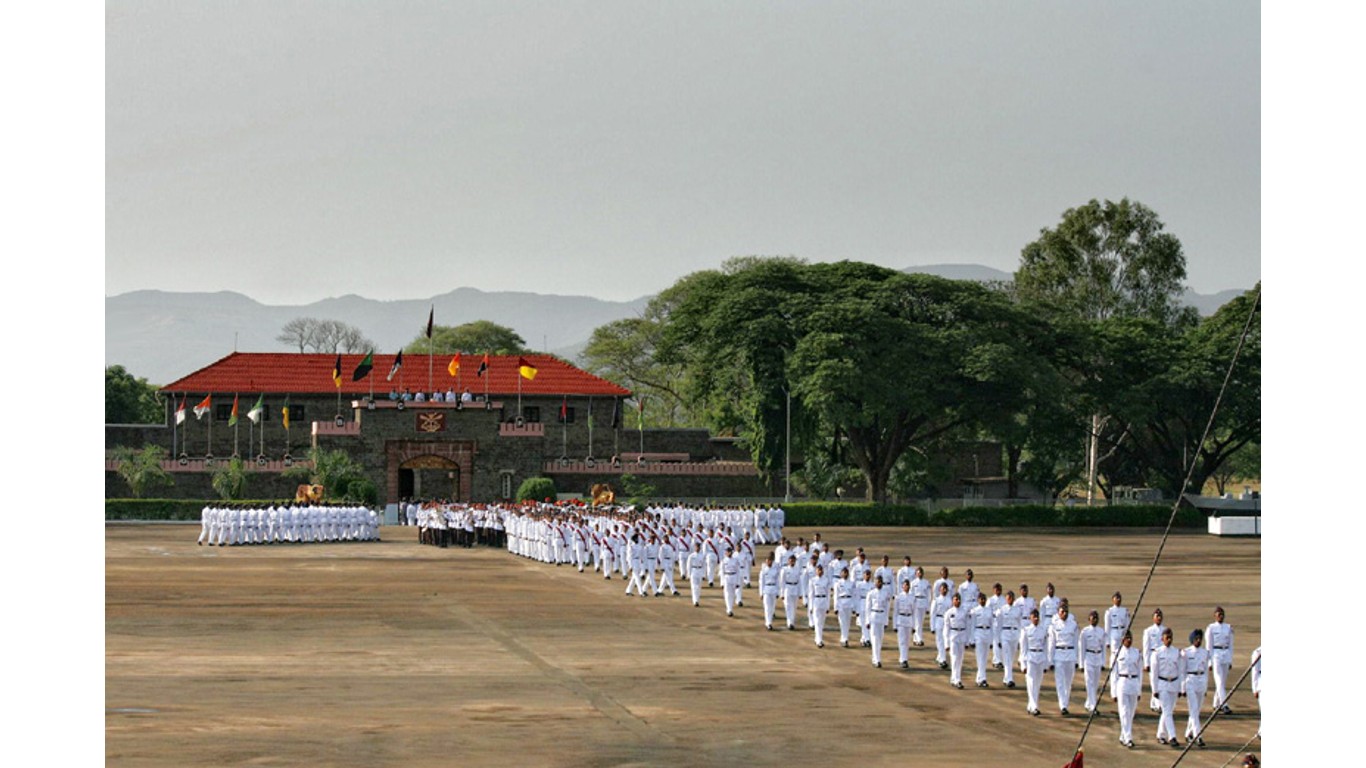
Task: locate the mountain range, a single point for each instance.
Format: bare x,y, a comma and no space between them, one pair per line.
161,336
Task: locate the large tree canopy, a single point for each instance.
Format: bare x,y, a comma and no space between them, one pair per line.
883,360
471,338
129,399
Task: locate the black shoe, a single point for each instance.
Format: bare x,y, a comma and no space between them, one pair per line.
731,614
845,643
769,627
1224,710
943,665
905,665
1175,744
983,684
877,664
999,665
1128,744
1065,713
1010,684
1034,712
791,628
696,605
1161,740
820,645
959,686
1200,743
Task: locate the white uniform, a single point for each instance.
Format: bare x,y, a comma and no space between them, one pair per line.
1062,656
1128,676
789,581
697,571
957,625
1165,663
983,622
1219,641
1194,682
768,590
904,609
818,600
938,608
845,591
876,607
1033,661
1008,628
1092,642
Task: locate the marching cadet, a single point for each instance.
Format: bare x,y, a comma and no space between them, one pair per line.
1092,643
1062,654
905,573
1033,659
768,590
942,603
968,590
1116,623
885,572
1165,665
863,585
943,579
790,581
956,626
818,602
1027,603
1127,668
875,613
983,622
994,603
904,608
836,565
650,560
1048,606
1152,640
730,579
845,591
858,566
667,556
1195,662
1220,637
920,594
609,555
1008,619
697,570
809,572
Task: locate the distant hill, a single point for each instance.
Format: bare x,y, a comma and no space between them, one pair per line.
162,336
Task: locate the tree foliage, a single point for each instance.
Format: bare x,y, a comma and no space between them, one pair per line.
471,338
229,479
129,399
334,470
141,468
310,334
536,489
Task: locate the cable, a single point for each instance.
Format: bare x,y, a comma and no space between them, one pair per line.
1190,470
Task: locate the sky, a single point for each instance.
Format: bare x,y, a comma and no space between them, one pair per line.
295,150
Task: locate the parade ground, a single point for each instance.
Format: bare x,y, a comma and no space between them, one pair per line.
396,654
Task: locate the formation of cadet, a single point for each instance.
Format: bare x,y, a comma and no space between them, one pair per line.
1002,630
443,523
286,523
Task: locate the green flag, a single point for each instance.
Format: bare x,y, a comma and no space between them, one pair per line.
363,369
232,418
256,410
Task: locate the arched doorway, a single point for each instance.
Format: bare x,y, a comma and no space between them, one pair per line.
429,477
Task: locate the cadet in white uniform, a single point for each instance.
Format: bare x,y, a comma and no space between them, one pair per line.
1116,623
942,603
863,585
876,606
1062,654
1165,665
1033,659
956,626
845,591
904,608
920,594
730,579
1195,661
1219,636
789,581
1092,643
768,590
1008,619
1152,640
1128,675
818,601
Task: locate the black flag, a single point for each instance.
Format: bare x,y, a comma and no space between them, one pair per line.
616,413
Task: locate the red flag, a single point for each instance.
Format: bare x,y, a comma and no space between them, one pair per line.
1075,762
564,408
203,407
483,365
180,412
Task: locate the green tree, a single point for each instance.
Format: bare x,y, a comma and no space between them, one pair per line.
1104,261
141,468
334,470
229,479
624,351
129,399
472,338
536,489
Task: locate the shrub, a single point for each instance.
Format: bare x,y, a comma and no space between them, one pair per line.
536,489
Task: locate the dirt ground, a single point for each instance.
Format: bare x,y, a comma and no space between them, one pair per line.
392,653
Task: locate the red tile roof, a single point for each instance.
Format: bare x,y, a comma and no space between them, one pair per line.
293,373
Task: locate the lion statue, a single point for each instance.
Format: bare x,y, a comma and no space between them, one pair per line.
306,494
603,494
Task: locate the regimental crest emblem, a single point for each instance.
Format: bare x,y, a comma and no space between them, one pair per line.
431,422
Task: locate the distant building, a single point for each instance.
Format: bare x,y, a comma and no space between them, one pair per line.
498,429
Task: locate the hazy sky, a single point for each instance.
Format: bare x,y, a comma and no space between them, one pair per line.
298,150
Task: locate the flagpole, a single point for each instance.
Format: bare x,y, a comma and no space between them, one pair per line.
590,426
234,423
208,441
174,426
488,374
564,419
641,425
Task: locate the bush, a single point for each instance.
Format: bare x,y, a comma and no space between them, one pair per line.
536,489
808,514
363,490
155,509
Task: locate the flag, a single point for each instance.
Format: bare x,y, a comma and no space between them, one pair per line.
564,408
527,370
232,419
398,363
1075,762
363,369
336,372
616,412
284,413
430,317
256,410
483,365
180,412
203,407
590,413
454,366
